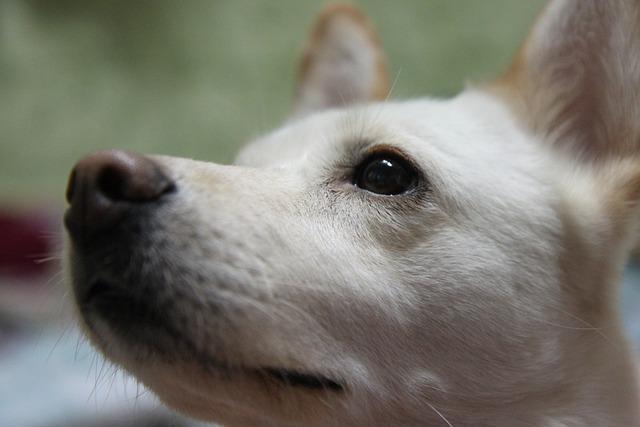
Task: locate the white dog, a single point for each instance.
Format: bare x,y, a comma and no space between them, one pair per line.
430,262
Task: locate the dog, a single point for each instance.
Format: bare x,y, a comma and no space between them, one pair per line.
420,263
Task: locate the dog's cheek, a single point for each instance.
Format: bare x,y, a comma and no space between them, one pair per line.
472,302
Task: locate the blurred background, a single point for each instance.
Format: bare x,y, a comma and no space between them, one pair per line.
193,78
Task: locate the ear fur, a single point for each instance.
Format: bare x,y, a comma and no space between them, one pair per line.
342,63
576,80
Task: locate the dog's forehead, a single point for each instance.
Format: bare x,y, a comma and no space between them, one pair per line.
472,131
471,150
292,141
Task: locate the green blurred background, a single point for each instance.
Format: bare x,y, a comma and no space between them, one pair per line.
199,78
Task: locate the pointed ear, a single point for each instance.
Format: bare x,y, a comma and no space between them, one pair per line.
576,80
342,63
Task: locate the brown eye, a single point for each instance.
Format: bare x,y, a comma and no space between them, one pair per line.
385,174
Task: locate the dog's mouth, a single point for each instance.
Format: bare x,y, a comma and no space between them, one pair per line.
118,307
98,289
303,380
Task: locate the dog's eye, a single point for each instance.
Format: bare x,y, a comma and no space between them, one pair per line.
385,174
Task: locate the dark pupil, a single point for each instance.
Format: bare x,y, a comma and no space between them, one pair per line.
384,176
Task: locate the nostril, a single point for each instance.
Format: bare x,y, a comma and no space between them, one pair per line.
125,177
112,183
104,186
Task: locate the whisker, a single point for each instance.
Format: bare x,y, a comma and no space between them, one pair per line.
393,85
42,259
439,414
55,345
113,379
589,326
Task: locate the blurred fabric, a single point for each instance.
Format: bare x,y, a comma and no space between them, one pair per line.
27,241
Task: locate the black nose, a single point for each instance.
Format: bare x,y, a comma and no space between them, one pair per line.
106,185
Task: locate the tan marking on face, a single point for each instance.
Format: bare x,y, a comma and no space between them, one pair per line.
620,182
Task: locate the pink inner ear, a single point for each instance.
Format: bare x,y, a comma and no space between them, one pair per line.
576,80
342,64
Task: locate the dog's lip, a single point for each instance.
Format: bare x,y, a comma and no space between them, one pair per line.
101,287
97,288
286,377
295,378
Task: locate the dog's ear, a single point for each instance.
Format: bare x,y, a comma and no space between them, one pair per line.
575,83
342,62
576,79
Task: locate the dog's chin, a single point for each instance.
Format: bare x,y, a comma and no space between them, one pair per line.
239,397
224,393
137,337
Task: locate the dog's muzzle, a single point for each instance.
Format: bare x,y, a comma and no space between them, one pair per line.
113,198
124,276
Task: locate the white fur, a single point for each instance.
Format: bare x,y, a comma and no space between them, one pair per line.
488,302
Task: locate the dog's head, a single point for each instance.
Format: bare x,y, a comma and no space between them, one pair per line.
384,263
